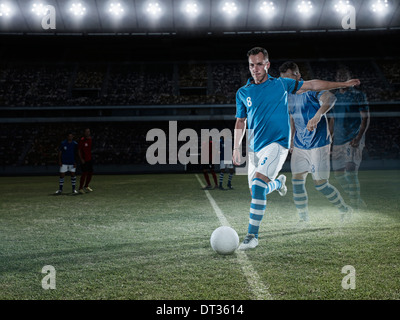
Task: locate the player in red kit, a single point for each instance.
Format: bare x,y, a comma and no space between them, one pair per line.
85,155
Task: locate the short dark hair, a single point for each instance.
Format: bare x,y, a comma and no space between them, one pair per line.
257,50
288,65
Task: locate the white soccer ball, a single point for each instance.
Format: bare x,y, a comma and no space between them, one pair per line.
224,240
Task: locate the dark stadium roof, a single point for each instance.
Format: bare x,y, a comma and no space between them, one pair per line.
248,19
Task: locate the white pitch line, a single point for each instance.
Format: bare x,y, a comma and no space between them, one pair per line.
259,289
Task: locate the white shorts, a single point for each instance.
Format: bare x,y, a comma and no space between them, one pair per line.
344,153
315,161
67,167
226,165
268,161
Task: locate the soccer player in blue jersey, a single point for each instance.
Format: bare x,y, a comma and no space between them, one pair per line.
67,162
349,124
310,146
263,104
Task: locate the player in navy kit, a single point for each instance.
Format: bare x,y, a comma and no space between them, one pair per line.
310,146
67,162
263,101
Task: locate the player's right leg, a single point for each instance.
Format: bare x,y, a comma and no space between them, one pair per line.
63,170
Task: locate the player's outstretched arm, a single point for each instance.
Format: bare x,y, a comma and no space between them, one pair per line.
319,85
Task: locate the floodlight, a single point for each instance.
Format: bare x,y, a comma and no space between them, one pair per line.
191,8
154,9
305,7
116,9
77,9
267,8
39,9
342,6
5,10
380,6
230,9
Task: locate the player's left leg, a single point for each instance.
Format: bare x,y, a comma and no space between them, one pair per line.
231,173
271,161
221,175
73,179
89,177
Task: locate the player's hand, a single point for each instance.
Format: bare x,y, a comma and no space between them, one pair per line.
83,161
237,157
59,163
313,123
352,83
355,143
74,165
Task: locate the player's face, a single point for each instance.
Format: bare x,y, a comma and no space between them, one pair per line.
87,133
70,137
258,67
292,74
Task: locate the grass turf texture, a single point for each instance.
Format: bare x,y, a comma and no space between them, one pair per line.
147,237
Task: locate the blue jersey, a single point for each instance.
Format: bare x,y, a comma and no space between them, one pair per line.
347,115
303,108
68,152
265,106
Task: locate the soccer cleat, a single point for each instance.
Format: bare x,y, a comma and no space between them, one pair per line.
88,189
283,189
249,242
75,192
58,192
230,187
345,216
81,191
221,187
206,188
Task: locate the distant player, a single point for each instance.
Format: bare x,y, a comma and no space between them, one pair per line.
349,124
225,164
208,164
263,102
85,156
67,162
311,142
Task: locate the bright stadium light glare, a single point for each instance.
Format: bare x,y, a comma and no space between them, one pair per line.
116,9
191,9
267,8
154,10
39,9
230,9
342,6
305,7
5,10
380,6
77,9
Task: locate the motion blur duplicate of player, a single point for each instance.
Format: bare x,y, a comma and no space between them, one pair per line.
67,162
85,155
263,102
349,124
310,144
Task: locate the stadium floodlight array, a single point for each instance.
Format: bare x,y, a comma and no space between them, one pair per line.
380,6
116,9
230,8
191,8
39,9
305,7
342,6
5,10
154,10
267,8
77,9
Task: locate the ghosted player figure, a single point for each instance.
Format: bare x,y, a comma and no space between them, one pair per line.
310,145
262,103
349,123
225,164
85,155
67,162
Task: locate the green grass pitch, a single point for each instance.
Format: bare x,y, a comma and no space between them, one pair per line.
147,237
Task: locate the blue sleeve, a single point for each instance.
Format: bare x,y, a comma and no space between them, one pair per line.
241,111
292,86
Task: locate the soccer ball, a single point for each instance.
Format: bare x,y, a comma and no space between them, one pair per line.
224,240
